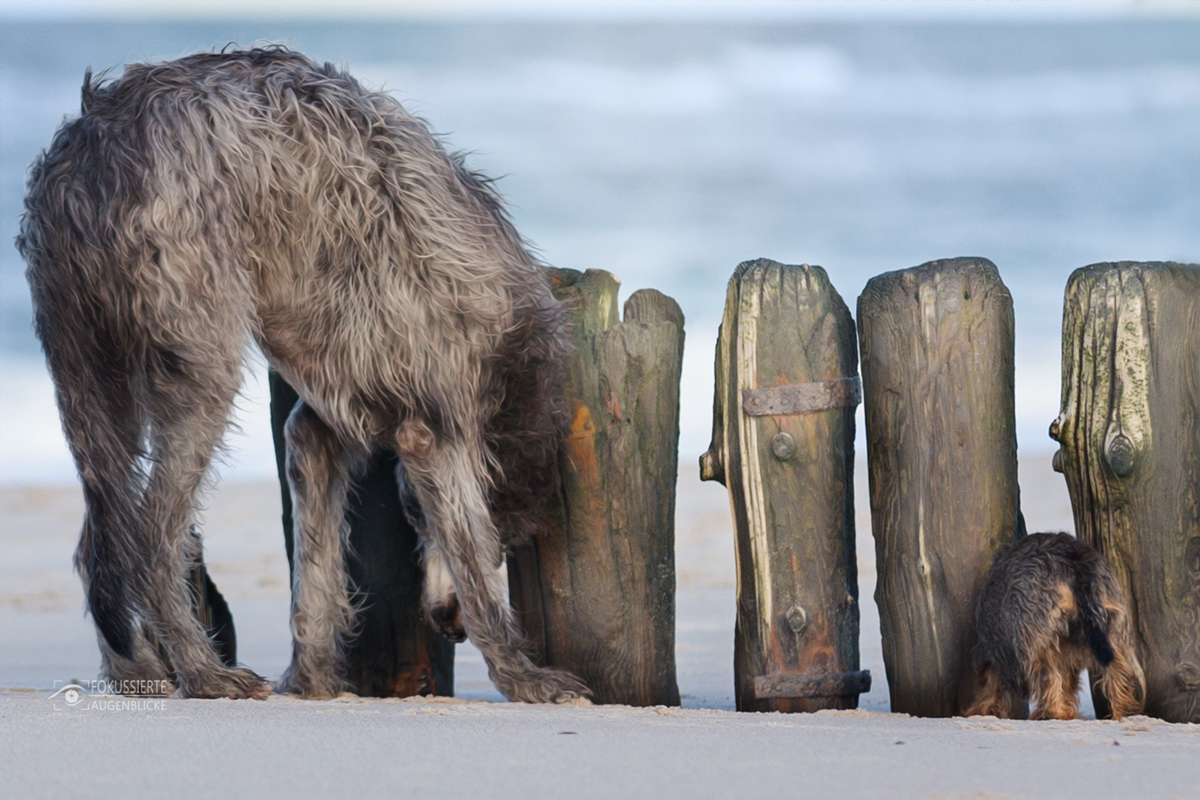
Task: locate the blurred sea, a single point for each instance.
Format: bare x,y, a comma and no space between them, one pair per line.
669,151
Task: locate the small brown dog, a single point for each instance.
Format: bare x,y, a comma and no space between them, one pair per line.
1051,605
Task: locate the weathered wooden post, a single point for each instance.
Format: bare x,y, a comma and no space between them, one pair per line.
597,594
783,444
1130,435
937,361
396,653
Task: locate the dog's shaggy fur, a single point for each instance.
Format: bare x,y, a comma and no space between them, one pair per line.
1051,606
198,203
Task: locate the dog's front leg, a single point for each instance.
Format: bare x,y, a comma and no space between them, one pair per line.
437,594
447,477
318,471
438,599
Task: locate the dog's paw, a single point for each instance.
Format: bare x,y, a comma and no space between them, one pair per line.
237,684
310,687
550,685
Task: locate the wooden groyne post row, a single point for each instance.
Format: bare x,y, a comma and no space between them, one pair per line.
937,362
783,444
596,595
1130,436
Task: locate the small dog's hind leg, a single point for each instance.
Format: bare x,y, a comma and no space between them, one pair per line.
318,470
1121,681
447,477
992,700
1051,691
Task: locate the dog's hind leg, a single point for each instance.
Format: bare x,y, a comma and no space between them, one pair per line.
1054,692
189,396
1121,681
1070,665
105,422
318,470
991,699
148,672
447,476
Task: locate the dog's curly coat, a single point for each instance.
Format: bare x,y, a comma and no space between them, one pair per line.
1050,606
199,202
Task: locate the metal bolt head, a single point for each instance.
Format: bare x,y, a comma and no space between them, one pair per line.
797,619
783,446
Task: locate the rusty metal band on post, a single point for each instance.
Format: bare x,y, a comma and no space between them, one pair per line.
803,398
837,684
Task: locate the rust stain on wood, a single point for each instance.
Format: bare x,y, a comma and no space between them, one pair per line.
612,404
581,445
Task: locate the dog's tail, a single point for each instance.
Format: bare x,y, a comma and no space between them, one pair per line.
1091,590
1109,633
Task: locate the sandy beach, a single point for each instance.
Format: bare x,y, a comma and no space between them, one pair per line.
477,745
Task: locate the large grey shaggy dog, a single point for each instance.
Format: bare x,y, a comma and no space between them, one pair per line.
199,204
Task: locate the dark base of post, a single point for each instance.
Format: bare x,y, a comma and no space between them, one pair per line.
215,616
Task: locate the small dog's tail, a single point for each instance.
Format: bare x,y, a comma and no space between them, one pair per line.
1090,593
1109,633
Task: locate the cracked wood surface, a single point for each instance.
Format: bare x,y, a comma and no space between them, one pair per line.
937,353
1130,437
790,481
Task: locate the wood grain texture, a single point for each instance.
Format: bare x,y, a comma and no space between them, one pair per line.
396,653
937,355
596,595
1130,436
791,485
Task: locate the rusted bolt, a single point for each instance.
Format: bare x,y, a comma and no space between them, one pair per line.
783,446
797,619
